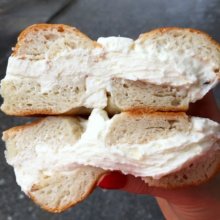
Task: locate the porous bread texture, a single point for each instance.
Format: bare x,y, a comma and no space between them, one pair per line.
25,96
128,127
65,189
55,192
141,127
128,95
60,190
188,39
65,129
199,171
35,41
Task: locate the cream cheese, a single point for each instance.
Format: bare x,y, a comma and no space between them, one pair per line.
118,57
155,158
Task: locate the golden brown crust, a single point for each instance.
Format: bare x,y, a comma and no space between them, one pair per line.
36,112
67,28
13,131
147,110
51,112
162,30
192,184
212,174
137,112
215,172
145,36
59,27
73,203
86,111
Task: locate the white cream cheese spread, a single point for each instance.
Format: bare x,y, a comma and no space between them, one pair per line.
117,57
155,158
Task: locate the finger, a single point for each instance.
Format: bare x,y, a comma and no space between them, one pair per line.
116,180
112,180
138,186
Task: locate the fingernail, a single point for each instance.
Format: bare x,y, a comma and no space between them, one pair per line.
113,180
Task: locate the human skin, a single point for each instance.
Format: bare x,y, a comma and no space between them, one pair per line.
189,203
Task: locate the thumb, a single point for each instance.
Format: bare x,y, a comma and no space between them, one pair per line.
117,181
188,195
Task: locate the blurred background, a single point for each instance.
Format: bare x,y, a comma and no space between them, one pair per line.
96,18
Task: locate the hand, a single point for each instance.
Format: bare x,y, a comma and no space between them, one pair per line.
190,203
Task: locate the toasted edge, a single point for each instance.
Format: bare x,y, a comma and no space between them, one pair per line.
154,32
166,182
44,26
73,203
